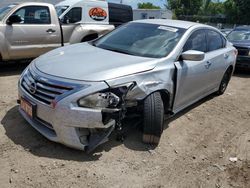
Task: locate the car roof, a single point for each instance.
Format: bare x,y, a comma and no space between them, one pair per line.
168,22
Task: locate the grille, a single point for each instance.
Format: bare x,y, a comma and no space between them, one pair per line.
44,90
243,51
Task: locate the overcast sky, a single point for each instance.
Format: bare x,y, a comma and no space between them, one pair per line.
135,2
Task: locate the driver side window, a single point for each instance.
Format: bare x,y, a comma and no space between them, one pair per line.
197,41
34,15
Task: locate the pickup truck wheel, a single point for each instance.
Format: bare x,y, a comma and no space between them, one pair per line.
90,37
224,82
153,118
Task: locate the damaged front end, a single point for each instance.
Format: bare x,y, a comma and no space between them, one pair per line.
113,105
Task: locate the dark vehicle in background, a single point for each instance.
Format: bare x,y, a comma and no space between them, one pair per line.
240,37
119,14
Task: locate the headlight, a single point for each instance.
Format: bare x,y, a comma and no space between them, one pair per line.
249,53
100,100
111,98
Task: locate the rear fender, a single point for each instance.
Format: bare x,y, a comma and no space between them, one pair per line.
4,55
82,31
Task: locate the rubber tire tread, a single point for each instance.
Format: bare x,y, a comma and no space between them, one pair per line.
220,92
153,118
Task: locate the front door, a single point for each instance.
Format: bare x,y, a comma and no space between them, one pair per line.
192,76
35,35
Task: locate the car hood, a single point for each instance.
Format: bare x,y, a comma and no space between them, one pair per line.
243,44
88,63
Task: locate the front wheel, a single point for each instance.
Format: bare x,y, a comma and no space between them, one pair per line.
224,82
153,118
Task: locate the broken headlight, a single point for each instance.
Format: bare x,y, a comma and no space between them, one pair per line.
111,98
100,100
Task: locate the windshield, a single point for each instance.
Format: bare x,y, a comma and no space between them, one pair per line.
140,39
61,9
239,35
5,10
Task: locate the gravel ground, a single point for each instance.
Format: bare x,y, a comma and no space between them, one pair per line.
195,150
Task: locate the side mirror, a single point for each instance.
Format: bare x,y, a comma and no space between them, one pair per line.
193,55
14,19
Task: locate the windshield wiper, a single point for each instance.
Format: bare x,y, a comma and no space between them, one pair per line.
119,51
112,49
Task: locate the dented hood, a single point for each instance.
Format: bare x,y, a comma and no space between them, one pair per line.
89,63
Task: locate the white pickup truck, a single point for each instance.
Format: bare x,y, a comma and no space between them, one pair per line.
28,30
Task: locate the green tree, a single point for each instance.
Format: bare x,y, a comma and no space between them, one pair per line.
231,11
243,13
147,6
204,7
235,11
215,8
184,7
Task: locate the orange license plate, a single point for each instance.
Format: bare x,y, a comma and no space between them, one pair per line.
27,107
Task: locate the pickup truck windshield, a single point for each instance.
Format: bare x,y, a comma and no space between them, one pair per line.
5,10
61,9
239,35
140,39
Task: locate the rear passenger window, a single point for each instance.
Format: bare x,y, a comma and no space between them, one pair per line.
73,16
197,41
214,40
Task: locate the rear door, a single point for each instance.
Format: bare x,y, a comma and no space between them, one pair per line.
36,34
219,57
192,76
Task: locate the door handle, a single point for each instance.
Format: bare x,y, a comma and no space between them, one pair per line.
51,31
208,64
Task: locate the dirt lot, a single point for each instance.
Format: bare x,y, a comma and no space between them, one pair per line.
194,151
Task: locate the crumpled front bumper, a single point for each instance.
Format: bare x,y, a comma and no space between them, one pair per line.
67,123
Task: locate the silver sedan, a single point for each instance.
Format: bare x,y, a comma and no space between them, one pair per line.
77,95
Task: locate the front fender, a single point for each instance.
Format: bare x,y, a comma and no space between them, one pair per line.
161,78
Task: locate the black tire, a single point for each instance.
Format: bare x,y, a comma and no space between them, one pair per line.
90,37
153,119
224,82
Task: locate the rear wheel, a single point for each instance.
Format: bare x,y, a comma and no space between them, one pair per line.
153,119
90,37
224,82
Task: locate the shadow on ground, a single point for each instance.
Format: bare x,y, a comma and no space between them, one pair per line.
21,133
12,68
242,73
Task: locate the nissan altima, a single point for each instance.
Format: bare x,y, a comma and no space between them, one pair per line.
78,95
